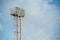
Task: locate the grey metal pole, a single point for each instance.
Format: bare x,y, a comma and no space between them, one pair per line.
16,28
20,28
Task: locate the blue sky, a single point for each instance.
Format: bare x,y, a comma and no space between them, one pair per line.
41,21
56,2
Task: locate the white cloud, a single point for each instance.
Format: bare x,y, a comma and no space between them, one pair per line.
45,15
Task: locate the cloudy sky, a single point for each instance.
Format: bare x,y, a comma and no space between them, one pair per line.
41,21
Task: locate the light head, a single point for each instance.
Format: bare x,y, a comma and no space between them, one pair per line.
16,11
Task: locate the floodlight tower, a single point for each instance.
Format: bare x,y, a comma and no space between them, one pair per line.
18,14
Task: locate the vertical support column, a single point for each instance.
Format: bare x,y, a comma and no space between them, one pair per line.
16,28
20,28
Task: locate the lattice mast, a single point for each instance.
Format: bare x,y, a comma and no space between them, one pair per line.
18,13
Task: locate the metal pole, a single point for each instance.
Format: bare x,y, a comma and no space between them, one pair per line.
20,28
16,28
